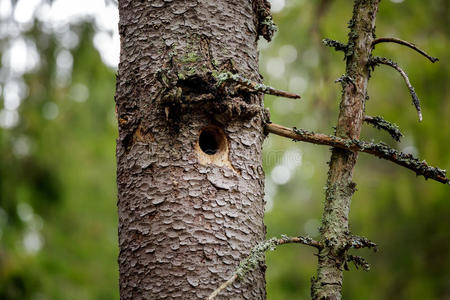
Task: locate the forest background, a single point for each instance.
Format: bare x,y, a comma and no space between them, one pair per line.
58,215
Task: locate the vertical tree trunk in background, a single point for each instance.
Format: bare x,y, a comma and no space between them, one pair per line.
189,211
335,232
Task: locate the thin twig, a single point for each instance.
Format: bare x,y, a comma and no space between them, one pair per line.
252,86
299,240
415,99
404,43
380,123
257,255
380,150
222,287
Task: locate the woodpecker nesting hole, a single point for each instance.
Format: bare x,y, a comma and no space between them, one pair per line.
212,147
209,142
212,140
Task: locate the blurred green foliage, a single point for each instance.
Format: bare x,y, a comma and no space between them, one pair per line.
58,220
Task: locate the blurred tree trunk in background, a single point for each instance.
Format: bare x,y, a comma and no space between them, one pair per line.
189,174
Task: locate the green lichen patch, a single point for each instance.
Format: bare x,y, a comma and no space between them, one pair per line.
264,24
256,257
268,28
190,57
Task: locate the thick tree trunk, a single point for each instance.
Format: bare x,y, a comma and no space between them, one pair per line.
189,173
335,234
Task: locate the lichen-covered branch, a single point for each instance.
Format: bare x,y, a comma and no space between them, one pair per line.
257,256
380,123
358,242
380,150
358,261
251,86
338,46
404,43
223,286
385,61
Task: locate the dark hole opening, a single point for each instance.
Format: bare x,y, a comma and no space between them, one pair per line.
208,142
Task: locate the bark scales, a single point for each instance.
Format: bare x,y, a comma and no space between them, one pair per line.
185,223
335,233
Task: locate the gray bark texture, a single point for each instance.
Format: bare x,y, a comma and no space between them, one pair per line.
188,213
335,234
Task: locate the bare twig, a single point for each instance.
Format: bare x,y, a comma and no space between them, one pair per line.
257,256
382,60
380,123
252,86
380,150
404,43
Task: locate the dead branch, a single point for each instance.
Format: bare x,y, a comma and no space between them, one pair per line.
380,123
358,261
257,256
358,242
338,46
251,86
415,99
299,240
380,150
404,43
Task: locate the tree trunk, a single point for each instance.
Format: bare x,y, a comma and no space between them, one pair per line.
189,171
335,234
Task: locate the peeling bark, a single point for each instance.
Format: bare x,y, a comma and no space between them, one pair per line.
188,217
340,188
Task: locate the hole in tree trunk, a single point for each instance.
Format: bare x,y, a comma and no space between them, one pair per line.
212,147
209,141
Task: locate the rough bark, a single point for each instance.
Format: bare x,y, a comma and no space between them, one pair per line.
188,215
335,234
